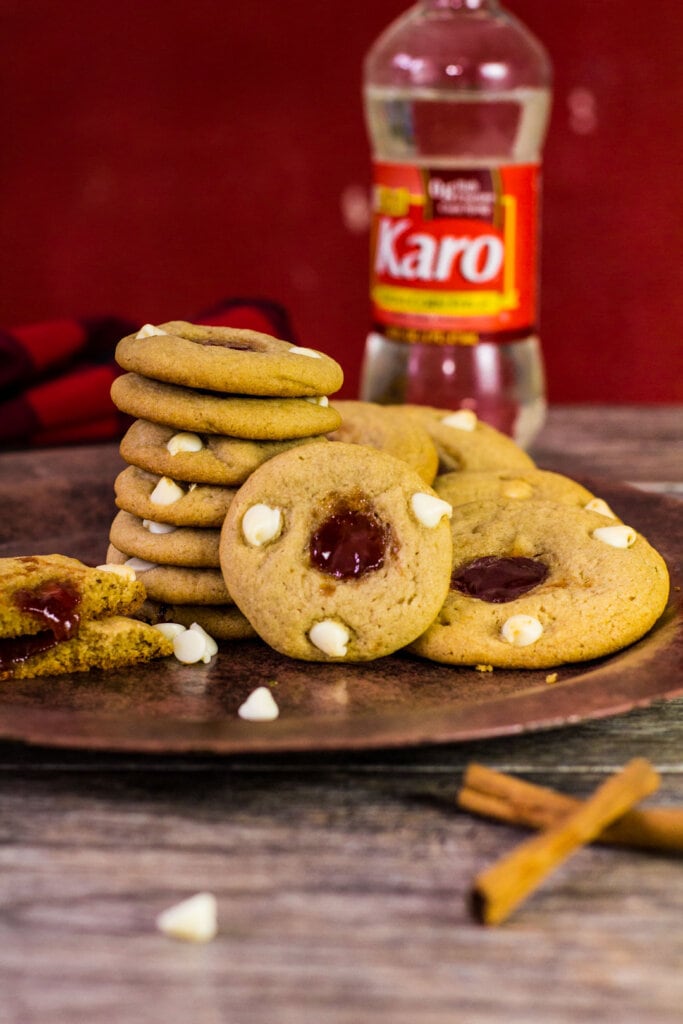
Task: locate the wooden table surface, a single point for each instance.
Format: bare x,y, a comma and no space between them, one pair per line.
341,879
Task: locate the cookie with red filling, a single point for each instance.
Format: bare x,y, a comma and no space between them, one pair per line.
58,615
536,584
337,552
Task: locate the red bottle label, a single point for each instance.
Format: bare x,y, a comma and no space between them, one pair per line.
454,252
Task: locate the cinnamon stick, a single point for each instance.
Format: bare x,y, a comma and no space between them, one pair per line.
496,795
502,887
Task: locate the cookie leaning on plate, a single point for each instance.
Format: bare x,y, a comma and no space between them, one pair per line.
337,552
228,359
536,584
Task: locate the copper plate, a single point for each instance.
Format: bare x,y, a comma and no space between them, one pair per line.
398,701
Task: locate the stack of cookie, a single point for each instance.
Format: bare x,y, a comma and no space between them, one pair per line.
212,404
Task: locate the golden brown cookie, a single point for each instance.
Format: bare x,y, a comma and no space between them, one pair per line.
163,500
465,442
537,584
183,546
462,486
175,584
109,643
228,359
337,552
389,430
260,419
49,592
222,622
207,459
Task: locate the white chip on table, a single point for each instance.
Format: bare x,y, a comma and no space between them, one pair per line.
192,920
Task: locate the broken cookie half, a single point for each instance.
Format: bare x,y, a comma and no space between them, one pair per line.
58,615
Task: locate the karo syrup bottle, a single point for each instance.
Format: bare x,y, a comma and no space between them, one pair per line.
457,98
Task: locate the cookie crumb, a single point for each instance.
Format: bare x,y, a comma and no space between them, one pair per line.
551,677
484,668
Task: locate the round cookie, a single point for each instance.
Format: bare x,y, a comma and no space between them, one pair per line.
537,584
185,546
211,459
462,486
463,441
389,430
163,500
337,552
171,584
228,359
222,622
258,419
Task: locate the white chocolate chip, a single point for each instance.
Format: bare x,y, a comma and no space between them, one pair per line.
299,351
139,564
154,527
330,637
149,331
521,630
211,647
259,706
616,536
321,400
430,510
166,492
189,647
170,629
261,524
192,920
126,571
463,419
184,442
518,489
598,505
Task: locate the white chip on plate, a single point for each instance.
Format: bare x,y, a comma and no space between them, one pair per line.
260,706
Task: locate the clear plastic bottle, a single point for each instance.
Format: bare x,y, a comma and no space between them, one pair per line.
457,97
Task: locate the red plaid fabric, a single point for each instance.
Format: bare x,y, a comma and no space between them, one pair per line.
56,376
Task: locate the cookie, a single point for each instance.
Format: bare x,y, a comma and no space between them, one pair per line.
228,359
465,442
337,552
536,584
55,593
258,419
462,486
222,622
184,546
174,584
109,643
208,459
163,500
389,430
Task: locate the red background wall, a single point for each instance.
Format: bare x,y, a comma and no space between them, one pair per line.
157,156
